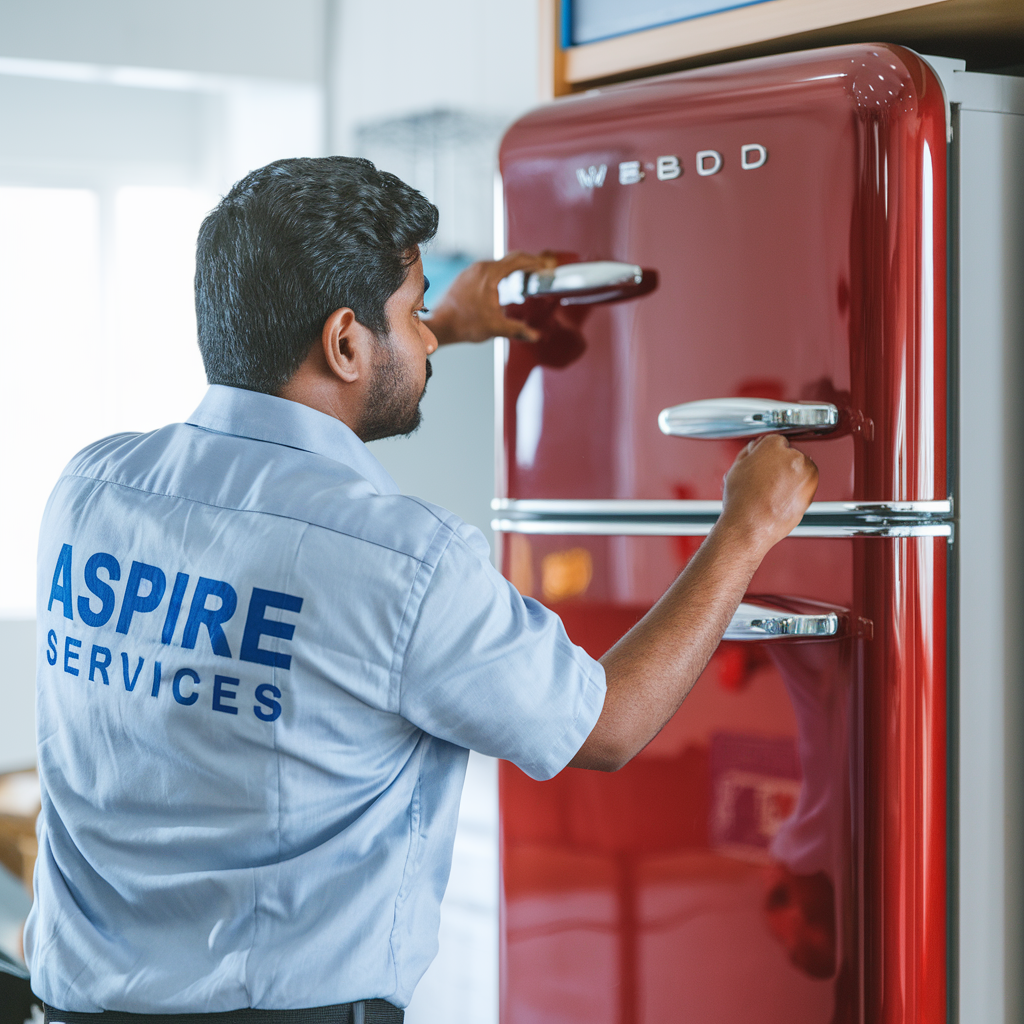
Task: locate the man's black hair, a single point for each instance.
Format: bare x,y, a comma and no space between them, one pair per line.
288,245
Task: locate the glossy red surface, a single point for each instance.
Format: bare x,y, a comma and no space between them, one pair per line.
818,275
777,854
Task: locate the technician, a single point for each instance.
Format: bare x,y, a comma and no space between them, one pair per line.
261,667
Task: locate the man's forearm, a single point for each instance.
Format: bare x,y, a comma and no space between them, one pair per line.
653,667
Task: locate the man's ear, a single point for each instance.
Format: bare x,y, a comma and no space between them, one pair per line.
347,346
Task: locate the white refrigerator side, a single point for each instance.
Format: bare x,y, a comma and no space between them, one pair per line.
990,501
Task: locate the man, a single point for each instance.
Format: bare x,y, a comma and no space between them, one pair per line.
263,667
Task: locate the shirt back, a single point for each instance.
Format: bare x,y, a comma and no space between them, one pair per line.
260,670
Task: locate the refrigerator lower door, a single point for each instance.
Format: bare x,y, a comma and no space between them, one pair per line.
777,854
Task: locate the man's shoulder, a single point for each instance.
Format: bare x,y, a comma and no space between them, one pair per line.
182,463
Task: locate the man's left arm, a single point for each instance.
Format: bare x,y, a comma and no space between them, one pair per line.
469,310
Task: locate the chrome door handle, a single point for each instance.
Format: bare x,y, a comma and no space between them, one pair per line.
746,417
579,282
757,622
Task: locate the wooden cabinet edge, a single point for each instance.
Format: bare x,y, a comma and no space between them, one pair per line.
562,70
551,65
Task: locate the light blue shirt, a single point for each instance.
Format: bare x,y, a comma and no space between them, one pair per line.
260,669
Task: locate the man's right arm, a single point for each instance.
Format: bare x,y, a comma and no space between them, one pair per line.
652,668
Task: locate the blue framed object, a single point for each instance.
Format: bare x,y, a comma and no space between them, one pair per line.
587,21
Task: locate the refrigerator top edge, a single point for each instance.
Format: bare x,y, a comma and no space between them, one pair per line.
780,73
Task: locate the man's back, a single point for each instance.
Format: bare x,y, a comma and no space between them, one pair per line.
262,668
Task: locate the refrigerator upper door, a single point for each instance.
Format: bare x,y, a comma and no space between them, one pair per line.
790,213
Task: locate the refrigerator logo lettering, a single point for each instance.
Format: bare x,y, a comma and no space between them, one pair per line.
630,173
709,161
706,162
668,168
752,157
591,177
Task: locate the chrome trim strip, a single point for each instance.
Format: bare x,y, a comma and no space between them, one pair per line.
500,356
627,507
694,528
611,507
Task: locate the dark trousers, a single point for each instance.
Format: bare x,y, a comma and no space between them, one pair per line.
372,1011
16,999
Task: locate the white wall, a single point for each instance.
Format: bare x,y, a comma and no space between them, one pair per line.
252,38
398,56
17,694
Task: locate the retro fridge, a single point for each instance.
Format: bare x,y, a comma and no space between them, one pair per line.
768,245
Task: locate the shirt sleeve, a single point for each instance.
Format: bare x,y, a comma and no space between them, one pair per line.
488,669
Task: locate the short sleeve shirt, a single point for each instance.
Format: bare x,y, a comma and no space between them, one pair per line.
260,670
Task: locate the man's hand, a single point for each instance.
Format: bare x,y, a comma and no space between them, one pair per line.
469,310
651,669
767,490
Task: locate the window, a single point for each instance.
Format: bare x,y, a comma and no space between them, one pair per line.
98,333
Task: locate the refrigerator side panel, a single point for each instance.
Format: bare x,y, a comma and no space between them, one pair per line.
903,751
990,501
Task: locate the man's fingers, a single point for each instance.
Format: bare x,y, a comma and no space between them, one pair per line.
522,261
751,445
470,309
507,328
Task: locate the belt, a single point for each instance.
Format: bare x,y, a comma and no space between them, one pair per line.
370,1011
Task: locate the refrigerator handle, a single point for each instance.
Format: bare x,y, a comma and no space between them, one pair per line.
747,417
573,283
758,622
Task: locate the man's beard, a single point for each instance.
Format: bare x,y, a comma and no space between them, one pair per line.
392,404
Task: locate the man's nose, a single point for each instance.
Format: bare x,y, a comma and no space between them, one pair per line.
431,341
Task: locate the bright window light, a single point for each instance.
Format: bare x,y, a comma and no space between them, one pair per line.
155,367
50,330
98,337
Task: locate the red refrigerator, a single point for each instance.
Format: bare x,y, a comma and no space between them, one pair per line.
745,247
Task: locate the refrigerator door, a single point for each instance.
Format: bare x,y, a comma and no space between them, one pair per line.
790,213
777,854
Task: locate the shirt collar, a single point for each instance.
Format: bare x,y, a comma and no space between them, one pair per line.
280,421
